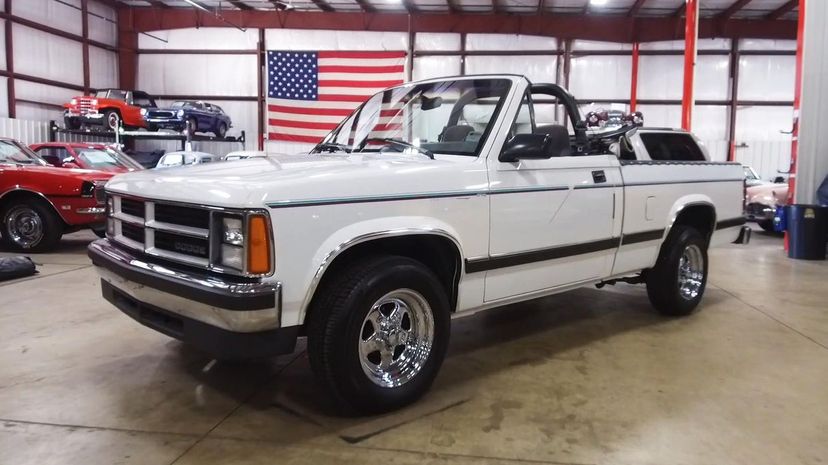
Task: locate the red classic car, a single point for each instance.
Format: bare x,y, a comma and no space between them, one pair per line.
39,203
85,155
108,108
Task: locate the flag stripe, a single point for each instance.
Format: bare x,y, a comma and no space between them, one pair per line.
304,110
359,54
361,69
374,77
301,124
361,62
361,84
343,98
293,137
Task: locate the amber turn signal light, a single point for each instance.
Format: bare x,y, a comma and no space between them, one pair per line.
258,245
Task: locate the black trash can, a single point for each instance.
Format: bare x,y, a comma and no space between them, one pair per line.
807,231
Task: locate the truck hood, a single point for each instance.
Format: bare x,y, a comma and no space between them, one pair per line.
285,178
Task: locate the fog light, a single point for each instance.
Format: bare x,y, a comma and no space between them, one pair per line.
232,257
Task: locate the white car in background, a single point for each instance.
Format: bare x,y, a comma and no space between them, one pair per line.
182,158
372,242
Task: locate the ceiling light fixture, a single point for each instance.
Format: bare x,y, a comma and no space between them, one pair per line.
215,13
597,2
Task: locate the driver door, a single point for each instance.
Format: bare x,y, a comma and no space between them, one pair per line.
554,222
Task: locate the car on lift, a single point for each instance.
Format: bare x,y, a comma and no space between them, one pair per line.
194,116
40,202
109,108
84,155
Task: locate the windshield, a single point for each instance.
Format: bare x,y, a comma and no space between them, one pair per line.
750,174
446,117
178,105
107,159
11,153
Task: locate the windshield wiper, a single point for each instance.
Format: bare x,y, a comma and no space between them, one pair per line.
398,143
331,147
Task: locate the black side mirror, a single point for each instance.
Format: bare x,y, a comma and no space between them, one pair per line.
527,147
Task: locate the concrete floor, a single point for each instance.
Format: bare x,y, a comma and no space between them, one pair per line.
587,377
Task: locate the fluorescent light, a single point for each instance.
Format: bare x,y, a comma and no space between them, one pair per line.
598,2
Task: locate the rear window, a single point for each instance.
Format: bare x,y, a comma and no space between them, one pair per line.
667,146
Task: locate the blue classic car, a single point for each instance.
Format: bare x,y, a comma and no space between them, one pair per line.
189,115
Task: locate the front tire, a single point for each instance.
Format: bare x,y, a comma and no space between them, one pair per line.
112,120
676,284
31,226
192,126
378,333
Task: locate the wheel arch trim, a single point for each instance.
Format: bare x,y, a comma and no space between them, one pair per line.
36,194
368,237
683,203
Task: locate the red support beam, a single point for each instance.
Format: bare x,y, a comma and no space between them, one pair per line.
784,9
800,49
261,102
691,35
733,9
591,27
11,18
10,61
85,44
127,49
634,79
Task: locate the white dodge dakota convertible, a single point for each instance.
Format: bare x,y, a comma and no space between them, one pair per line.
432,200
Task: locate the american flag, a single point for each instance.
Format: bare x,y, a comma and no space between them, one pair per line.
309,93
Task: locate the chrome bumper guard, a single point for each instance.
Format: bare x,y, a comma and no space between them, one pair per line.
231,306
744,235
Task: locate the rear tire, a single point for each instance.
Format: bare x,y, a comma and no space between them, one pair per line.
378,333
221,130
71,123
30,226
676,284
767,225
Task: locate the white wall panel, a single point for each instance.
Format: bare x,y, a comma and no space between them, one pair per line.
509,42
767,44
536,68
25,131
600,77
435,66
197,74
208,38
436,41
33,112
661,77
45,55
763,123
4,96
298,39
2,45
51,12
43,93
767,77
103,68
100,29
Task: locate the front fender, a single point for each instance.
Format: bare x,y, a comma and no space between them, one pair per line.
360,232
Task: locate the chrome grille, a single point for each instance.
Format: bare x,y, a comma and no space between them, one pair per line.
171,231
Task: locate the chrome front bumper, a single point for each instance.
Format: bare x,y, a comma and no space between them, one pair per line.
241,307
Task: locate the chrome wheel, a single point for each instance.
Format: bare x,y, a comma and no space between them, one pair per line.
396,338
24,226
691,272
112,120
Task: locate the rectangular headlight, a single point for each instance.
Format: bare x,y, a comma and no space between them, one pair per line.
232,231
